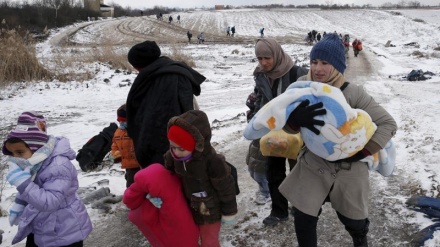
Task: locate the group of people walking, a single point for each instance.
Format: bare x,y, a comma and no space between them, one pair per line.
200,37
314,36
168,134
170,19
160,17
230,31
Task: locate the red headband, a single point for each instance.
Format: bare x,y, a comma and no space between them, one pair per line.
181,137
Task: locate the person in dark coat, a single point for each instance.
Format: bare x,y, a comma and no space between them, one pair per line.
262,32
164,88
314,32
189,35
274,73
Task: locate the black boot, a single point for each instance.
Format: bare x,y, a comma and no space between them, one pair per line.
360,236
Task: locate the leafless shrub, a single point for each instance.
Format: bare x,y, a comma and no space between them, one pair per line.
109,55
435,54
3,181
235,51
18,61
419,20
74,64
178,55
395,13
417,54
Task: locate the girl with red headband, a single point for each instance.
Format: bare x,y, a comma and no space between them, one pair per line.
206,178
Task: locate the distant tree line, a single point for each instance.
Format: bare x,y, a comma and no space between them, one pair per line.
39,14
330,5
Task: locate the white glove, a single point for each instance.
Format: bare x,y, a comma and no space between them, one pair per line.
229,219
15,212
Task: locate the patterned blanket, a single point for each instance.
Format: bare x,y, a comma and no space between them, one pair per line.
345,132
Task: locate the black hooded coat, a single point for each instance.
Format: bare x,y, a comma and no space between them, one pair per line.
162,90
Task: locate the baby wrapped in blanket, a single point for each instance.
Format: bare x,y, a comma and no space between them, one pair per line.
345,132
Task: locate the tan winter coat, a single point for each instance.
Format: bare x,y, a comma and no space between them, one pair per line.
206,171
313,178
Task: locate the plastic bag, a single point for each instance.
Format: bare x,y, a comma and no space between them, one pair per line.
279,143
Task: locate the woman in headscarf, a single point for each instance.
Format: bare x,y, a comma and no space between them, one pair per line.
274,73
344,183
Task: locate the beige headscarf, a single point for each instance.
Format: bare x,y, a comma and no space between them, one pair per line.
336,79
270,48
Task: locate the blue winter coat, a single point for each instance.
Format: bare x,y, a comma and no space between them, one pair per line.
54,214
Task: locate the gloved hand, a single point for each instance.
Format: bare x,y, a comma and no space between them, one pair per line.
156,201
16,176
15,212
303,116
115,157
229,219
356,157
116,154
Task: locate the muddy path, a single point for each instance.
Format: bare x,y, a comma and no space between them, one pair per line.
128,31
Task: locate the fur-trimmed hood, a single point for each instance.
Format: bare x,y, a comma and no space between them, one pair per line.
206,171
197,124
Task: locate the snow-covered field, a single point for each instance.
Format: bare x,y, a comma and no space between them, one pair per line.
78,111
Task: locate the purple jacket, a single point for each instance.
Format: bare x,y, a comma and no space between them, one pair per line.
55,213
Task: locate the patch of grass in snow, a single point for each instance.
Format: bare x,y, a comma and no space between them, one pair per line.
179,55
75,63
109,54
18,61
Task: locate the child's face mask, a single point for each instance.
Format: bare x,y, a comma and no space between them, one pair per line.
179,153
184,158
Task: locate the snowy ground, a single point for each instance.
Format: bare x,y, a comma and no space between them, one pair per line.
79,110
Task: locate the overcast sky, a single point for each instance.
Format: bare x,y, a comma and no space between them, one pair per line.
208,3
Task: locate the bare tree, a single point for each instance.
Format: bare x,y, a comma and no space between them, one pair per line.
387,5
414,4
401,3
38,3
55,4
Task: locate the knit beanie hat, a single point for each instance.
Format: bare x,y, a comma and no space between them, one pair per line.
31,128
122,113
330,49
181,137
143,54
